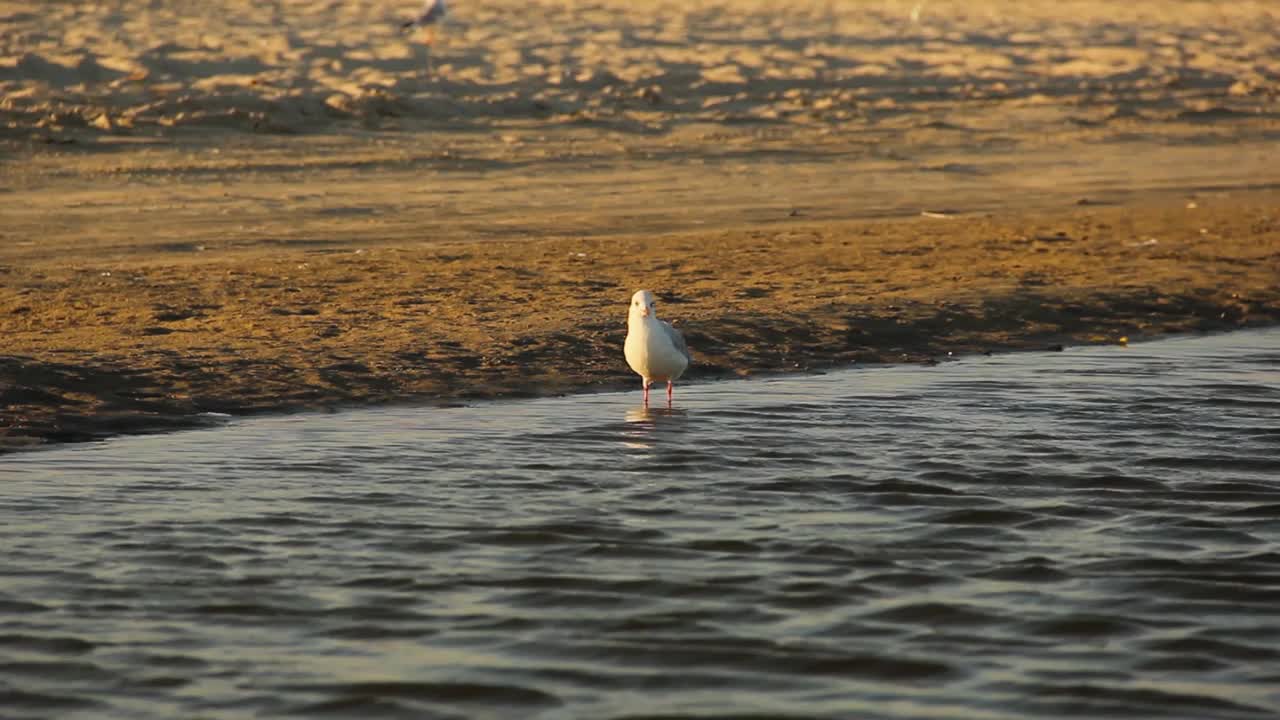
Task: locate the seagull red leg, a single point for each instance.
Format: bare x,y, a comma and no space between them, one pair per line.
646,392
671,386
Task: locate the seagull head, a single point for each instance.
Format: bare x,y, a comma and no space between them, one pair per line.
643,305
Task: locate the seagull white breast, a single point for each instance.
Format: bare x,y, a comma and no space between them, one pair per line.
655,350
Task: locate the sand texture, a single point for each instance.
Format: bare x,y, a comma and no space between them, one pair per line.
242,207
149,340
131,68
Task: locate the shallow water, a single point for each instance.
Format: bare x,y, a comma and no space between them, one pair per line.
1086,533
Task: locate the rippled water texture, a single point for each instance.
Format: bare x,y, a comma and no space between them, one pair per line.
1087,533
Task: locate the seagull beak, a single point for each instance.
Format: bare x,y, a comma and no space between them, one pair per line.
644,312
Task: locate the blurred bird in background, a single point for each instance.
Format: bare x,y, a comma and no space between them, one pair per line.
432,12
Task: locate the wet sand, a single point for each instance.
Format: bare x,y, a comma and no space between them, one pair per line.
263,207
145,340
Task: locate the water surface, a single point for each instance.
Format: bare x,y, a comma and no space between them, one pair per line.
1088,533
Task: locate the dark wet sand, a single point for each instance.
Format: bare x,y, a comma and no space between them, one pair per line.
142,338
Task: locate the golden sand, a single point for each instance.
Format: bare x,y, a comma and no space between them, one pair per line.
244,207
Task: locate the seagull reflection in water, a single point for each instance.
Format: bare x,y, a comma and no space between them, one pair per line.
645,423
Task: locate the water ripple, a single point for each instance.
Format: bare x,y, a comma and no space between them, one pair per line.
1086,533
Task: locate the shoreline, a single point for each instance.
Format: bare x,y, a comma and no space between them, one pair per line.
70,430
153,422
146,340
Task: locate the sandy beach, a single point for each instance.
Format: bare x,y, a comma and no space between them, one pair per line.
258,207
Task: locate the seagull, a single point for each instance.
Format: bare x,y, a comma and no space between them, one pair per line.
432,12
654,349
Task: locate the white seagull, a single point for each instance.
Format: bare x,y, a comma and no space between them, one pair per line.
654,349
432,12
